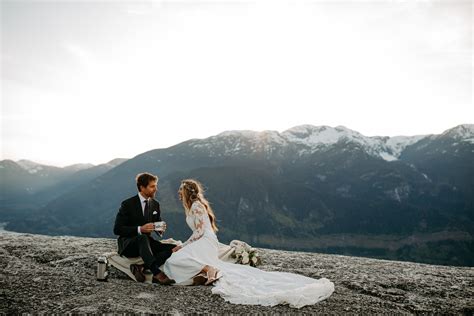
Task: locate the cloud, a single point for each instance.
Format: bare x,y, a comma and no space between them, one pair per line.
365,65
82,55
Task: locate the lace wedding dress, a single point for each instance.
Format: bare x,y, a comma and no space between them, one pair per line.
239,284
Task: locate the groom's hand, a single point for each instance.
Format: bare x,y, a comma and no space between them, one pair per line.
147,228
176,248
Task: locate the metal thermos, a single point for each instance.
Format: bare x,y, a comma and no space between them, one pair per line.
102,269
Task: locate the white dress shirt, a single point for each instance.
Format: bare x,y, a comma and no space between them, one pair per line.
142,202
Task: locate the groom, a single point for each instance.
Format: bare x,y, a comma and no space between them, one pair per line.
137,237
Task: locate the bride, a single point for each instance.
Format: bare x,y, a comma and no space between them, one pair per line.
197,260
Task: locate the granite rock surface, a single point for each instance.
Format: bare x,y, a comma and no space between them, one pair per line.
58,274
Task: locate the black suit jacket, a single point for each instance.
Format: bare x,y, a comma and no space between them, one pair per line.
130,216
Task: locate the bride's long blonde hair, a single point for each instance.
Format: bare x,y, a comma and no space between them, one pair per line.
192,191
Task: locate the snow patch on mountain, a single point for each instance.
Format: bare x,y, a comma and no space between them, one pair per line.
311,136
398,143
314,137
30,166
115,162
27,164
232,142
78,167
388,157
464,132
308,139
243,133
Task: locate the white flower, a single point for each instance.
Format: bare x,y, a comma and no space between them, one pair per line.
244,253
245,258
254,260
236,243
238,251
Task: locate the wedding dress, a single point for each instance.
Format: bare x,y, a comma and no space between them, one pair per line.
239,284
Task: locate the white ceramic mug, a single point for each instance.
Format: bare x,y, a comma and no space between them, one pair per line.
159,226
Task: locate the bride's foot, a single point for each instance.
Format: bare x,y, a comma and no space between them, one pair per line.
213,275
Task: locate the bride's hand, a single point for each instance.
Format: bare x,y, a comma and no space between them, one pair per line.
176,248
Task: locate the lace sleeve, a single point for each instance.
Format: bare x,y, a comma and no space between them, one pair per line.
197,214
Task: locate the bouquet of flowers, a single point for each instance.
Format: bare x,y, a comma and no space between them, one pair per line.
245,254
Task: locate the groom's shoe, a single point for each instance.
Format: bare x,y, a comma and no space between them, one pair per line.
137,271
162,279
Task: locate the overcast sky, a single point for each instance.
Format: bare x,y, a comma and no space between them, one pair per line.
86,81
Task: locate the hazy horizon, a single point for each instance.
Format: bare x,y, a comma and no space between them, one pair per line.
88,81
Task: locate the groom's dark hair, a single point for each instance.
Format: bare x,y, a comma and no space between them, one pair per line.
144,178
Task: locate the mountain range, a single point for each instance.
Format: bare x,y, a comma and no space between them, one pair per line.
310,188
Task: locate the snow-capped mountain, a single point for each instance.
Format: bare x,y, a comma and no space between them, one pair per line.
79,167
35,168
30,166
308,139
321,137
115,162
464,133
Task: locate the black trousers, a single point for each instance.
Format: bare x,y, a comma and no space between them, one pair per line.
153,252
